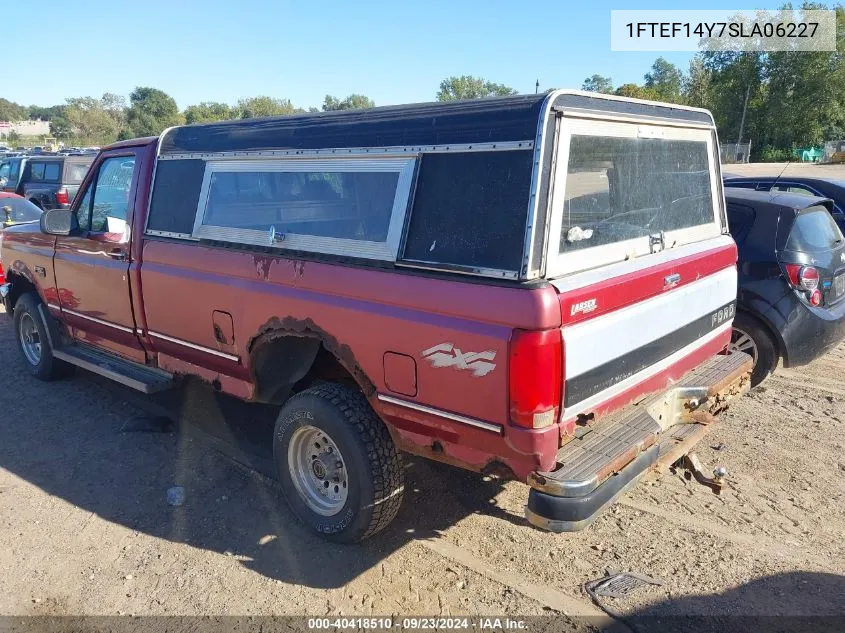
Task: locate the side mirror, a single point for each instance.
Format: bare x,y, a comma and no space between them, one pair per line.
59,222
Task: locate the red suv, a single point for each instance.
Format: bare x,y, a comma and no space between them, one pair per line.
539,285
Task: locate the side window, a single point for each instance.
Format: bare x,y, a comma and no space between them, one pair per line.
36,171
740,219
344,207
5,170
14,171
804,191
83,213
111,195
51,172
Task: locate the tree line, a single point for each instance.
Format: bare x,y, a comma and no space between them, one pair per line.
778,100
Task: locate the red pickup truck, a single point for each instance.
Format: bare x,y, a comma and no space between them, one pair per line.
540,286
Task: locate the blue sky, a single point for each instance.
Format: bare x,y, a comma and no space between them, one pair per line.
394,51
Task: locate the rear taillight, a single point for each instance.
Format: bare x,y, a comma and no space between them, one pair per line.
803,277
2,275
535,369
62,197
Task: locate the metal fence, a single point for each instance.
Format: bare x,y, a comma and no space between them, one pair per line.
731,153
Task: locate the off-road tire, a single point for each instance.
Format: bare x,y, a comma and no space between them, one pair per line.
373,466
48,368
767,351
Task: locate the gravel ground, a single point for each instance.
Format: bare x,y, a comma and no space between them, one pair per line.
86,527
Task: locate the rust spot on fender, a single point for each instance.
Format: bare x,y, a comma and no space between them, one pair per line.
263,264
276,328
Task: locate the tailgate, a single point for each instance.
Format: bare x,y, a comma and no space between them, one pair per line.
621,330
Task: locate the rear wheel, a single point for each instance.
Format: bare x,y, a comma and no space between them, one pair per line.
33,341
337,465
751,337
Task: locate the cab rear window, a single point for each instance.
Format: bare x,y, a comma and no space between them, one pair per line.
814,230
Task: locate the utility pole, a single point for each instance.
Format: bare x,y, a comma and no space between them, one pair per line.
537,87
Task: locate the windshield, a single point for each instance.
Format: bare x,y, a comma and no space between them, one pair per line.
18,210
814,230
621,188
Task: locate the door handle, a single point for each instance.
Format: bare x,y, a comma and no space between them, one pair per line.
118,254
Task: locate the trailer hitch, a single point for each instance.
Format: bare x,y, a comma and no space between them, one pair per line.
693,467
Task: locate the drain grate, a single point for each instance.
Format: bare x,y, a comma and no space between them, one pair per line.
620,585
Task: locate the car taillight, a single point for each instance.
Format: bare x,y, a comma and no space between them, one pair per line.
802,277
535,368
62,197
816,297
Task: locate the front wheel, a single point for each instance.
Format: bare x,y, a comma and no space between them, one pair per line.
338,467
751,337
33,341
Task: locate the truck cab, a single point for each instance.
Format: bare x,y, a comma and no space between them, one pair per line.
539,286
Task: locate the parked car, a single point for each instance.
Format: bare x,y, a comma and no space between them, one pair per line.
413,279
17,210
51,182
791,298
832,188
10,172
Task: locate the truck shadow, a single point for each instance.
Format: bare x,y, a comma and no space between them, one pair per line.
83,440
795,602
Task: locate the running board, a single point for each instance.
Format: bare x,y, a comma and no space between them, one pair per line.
138,377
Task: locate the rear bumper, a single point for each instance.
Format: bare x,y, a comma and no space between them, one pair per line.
599,465
810,332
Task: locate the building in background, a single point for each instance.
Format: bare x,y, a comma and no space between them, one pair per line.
24,128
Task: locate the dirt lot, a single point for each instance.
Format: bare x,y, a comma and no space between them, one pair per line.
86,528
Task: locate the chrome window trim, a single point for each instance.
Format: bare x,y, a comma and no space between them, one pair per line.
477,271
180,236
533,201
387,250
454,417
581,113
396,151
199,348
122,328
560,264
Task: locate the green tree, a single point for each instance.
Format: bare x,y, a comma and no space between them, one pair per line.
598,83
666,80
208,111
352,102
45,113
151,111
265,106
697,90
11,111
95,120
468,87
14,137
636,92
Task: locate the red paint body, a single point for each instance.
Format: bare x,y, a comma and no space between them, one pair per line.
173,288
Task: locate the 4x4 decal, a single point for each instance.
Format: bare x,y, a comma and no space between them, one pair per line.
447,355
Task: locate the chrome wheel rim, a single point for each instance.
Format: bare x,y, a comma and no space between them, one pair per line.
318,471
741,341
30,339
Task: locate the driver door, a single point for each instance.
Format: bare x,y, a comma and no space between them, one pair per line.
92,265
